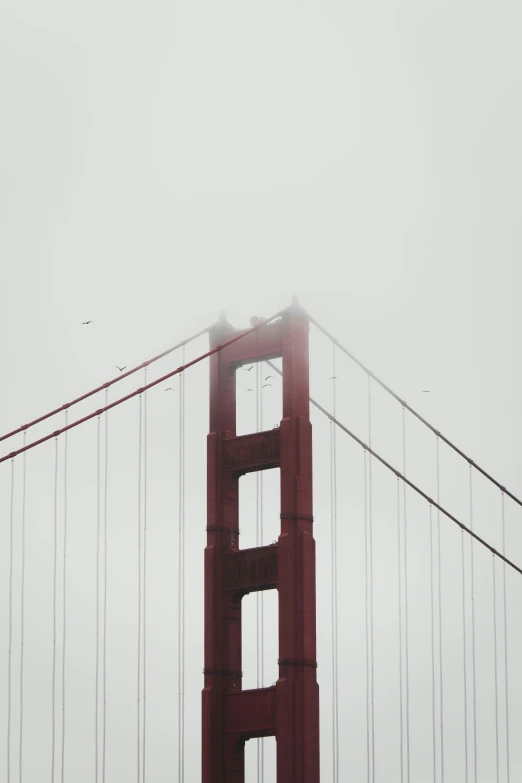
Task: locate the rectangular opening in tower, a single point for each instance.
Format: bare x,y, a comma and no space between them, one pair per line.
260,760
260,639
259,397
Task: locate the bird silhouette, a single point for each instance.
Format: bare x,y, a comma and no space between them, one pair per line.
265,384
86,323
248,368
269,376
426,391
250,390
169,388
121,369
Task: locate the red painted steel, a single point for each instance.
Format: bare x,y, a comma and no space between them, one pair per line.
290,710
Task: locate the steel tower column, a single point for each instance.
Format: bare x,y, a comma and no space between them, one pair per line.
290,710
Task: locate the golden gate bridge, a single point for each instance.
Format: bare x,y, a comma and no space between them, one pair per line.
114,621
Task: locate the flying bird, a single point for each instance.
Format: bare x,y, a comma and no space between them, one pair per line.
86,323
265,384
250,390
121,369
169,389
248,368
269,376
426,391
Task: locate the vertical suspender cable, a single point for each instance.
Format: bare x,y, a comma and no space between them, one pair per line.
399,570
181,582
139,593
97,674
22,619
465,653
366,616
473,626
144,577
370,515
432,606
494,568
333,538
439,588
64,637
105,494
406,613
9,655
258,473
261,594
508,766
55,569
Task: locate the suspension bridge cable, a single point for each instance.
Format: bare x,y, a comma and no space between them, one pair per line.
105,496
97,665
105,385
413,411
464,656
139,592
139,391
409,483
495,662
259,650
64,606
55,580
368,756
181,581
22,619
399,569
473,659
144,578
10,632
508,766
334,598
370,516
406,629
439,591
432,606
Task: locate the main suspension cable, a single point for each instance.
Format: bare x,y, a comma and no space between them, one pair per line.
409,483
506,682
412,411
105,385
22,619
139,391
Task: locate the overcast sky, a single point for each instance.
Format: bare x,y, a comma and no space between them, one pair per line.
163,161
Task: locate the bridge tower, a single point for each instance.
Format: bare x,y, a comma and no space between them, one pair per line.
290,709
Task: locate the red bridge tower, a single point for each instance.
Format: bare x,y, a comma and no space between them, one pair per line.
289,710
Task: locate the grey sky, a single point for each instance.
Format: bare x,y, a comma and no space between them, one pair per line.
160,162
